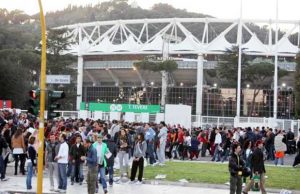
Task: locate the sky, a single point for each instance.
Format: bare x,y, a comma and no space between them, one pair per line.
227,9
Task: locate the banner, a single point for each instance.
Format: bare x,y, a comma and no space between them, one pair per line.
106,107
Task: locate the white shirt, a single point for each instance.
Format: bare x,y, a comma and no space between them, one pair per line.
163,133
218,139
99,153
63,153
188,140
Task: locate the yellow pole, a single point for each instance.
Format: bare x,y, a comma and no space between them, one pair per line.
42,103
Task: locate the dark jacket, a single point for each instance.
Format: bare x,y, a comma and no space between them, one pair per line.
257,161
77,152
32,154
194,144
3,144
113,150
236,164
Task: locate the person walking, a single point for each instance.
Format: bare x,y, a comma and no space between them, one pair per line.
280,148
62,162
52,148
217,146
91,160
18,145
102,151
110,161
31,161
236,165
139,153
257,168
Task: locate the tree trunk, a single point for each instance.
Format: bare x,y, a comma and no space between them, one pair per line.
255,93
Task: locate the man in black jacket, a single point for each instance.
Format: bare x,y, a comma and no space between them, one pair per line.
236,165
257,167
3,145
77,150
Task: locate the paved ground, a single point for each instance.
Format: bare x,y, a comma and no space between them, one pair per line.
17,184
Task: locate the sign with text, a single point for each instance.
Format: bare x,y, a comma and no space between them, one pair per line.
136,108
5,104
58,79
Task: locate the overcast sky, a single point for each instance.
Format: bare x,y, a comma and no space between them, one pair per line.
252,9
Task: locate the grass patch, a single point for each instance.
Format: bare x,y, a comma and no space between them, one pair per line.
216,173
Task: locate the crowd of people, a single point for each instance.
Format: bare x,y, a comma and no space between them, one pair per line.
70,144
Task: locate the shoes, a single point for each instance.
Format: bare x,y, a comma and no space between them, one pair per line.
72,183
62,191
96,190
131,182
4,179
52,189
80,183
244,192
138,183
105,191
161,164
154,164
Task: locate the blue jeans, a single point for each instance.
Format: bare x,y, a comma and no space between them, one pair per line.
62,175
102,179
217,154
280,160
150,152
80,168
111,174
29,175
69,170
226,154
2,168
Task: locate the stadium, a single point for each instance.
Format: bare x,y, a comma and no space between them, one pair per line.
107,51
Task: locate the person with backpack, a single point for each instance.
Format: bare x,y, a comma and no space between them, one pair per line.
52,148
258,169
247,156
139,153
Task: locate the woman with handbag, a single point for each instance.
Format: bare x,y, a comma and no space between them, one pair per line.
18,145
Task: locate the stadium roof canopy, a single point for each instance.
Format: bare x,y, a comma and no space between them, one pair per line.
184,36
